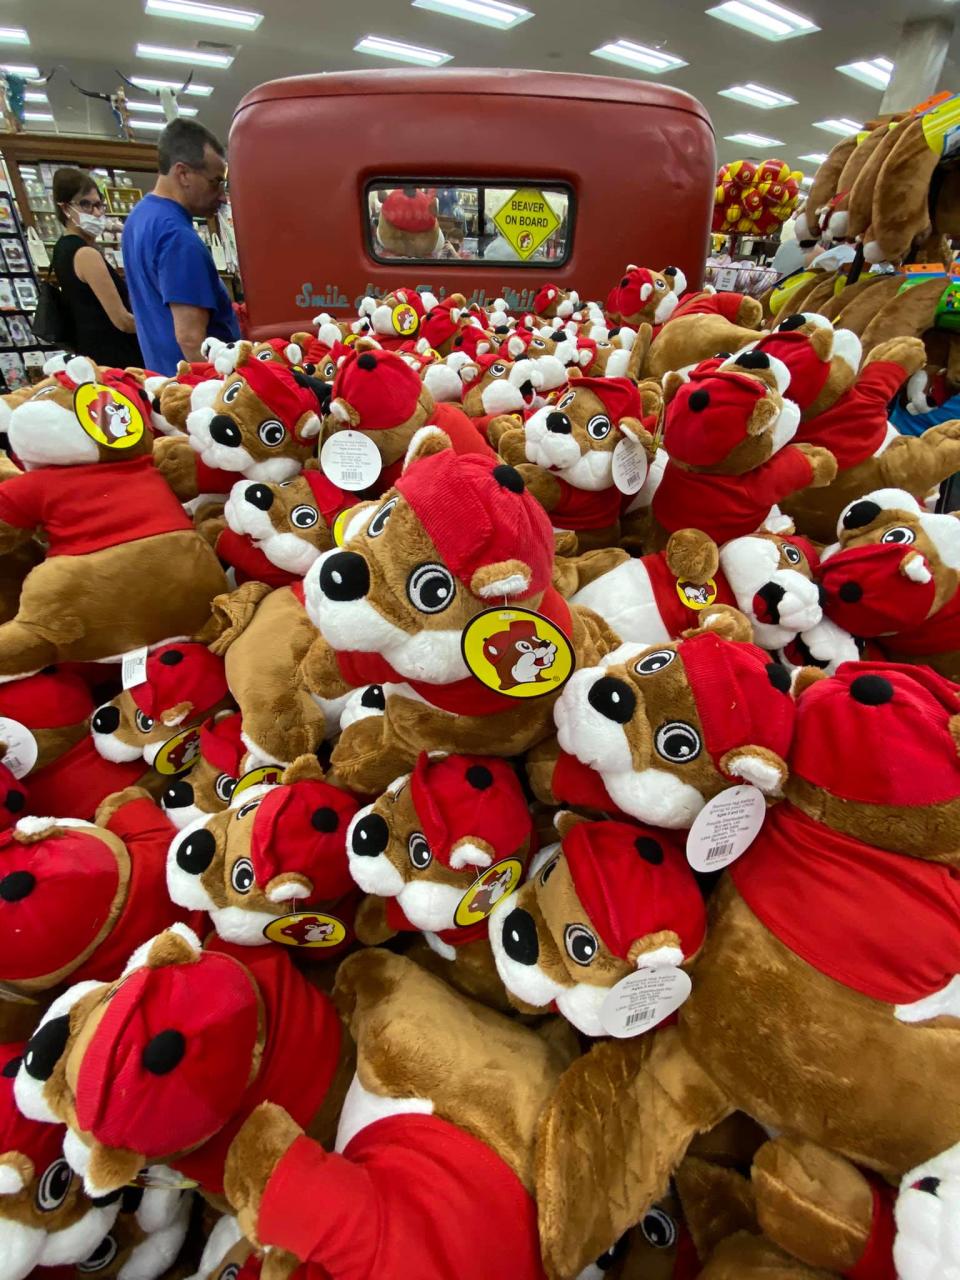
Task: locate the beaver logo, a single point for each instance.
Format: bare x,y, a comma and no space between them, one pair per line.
178,753
306,929
405,320
496,883
696,595
108,416
519,655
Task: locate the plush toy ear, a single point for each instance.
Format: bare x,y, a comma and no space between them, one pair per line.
504,578
638,433
763,414
759,766
176,714
662,947
470,852
726,621
343,411
672,382
564,820
305,768
308,427
425,442
173,946
232,356
81,370
469,372
645,291
16,1173
288,887
110,1169
804,677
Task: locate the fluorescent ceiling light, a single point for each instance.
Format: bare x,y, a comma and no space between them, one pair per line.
155,125
156,108
13,35
875,72
193,89
639,56
202,57
17,69
37,96
215,15
753,140
763,18
754,95
397,51
489,13
815,157
840,124
37,115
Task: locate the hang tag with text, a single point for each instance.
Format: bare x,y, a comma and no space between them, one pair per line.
20,745
629,466
642,1000
133,668
725,828
351,460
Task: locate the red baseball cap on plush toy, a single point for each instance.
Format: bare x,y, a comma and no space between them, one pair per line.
329,498
707,418
275,386
880,733
808,373
221,744
300,830
378,386
546,294
473,340
50,699
867,593
170,1060
742,697
41,1143
185,672
477,796
633,881
440,322
478,514
619,396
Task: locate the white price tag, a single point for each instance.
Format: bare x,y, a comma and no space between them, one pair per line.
643,999
351,460
133,668
21,747
725,828
629,466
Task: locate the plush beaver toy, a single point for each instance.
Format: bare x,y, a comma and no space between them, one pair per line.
456,537
421,848
123,566
614,898
164,1065
407,226
396,318
700,327
277,851
494,385
656,732
567,452
644,295
860,987
894,577
145,1239
263,421
207,787
438,1128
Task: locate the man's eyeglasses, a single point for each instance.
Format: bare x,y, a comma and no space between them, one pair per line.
217,183
91,206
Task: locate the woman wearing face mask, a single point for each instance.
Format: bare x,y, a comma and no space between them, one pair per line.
96,295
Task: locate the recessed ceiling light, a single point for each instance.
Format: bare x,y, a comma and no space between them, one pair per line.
754,95
815,157
155,125
215,15
156,108
639,56
398,51
763,18
202,57
37,96
17,69
37,115
193,89
753,140
13,35
875,72
839,124
489,13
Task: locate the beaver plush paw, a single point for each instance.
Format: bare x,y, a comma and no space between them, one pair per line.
261,1143
822,463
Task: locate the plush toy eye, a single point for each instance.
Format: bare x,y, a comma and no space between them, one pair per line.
598,428
677,741
549,869
328,372
608,1260
264,355
792,554
659,1229
659,284
537,342
379,521
246,808
224,786
102,1256
430,588
651,663
524,646
303,517
498,369
53,1186
271,433
581,944
230,393
241,877
901,536
230,1271
419,851
144,723
565,400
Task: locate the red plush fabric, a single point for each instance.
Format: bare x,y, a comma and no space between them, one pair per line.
411,1195
89,508
675,615
73,785
939,634
580,509
876,1261
867,594
808,373
854,428
302,828
464,433
450,806
249,563
576,783
881,923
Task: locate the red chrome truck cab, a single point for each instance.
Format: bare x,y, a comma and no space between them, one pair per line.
484,182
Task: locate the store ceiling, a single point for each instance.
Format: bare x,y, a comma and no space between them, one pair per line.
89,38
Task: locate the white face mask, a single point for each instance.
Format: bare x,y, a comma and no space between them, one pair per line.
91,223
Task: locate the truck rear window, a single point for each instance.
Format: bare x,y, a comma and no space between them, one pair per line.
521,224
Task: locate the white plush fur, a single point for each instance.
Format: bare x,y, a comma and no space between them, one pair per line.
111,747
11,1182
785,426
34,825
184,888
581,1005
151,1257
914,567
43,433
20,1248
750,563
527,982
225,1234
416,442
375,875
944,532
927,1243
886,500
361,1108
27,1091
942,1003
204,393
230,457
847,347
515,584
354,708
429,906
465,854
78,1241
442,383
625,598
242,928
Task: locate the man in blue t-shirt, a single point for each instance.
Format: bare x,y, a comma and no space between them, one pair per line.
177,296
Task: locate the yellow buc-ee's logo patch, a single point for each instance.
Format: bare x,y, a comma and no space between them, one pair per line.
178,753
517,652
108,416
405,320
496,883
696,595
306,929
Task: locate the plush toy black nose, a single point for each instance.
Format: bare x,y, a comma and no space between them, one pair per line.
224,431
45,1047
17,885
259,496
344,577
520,937
106,720
753,360
559,423
526,389
177,794
372,698
613,699
155,404
930,1184
766,603
14,801
860,514
796,321
196,852
370,836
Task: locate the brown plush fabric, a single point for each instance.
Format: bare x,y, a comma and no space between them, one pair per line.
857,312
908,314
748,1257
717,1202
689,339
860,202
901,195
826,180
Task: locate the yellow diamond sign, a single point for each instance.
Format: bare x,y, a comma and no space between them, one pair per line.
525,219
